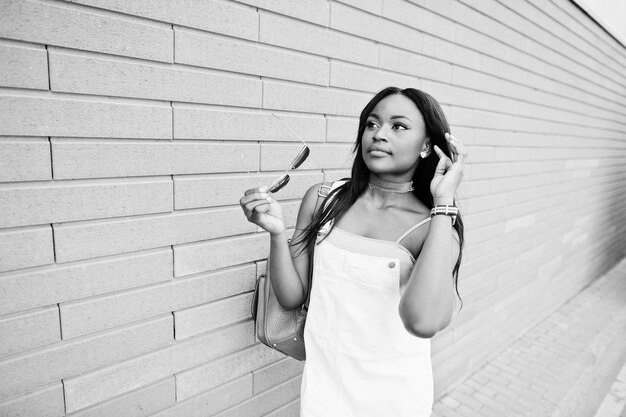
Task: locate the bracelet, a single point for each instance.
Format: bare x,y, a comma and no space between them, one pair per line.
446,210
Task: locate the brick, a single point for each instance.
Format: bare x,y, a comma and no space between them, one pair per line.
291,409
64,25
22,290
514,16
100,385
410,63
419,18
354,77
85,73
519,222
139,403
67,359
25,159
314,11
290,213
449,51
489,202
26,247
66,115
220,253
584,29
306,37
276,373
335,175
593,41
213,16
370,6
572,99
203,318
513,72
209,51
95,314
260,405
469,78
283,96
333,155
341,129
357,22
492,120
448,94
46,402
23,66
72,240
29,331
218,190
142,158
212,374
213,401
203,122
64,201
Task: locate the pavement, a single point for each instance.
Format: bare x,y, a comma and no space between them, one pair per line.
570,364
614,404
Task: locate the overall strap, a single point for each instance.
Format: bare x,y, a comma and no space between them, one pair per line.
405,234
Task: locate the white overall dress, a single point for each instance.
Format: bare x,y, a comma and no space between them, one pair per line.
360,360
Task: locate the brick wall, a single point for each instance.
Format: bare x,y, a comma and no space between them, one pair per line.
128,131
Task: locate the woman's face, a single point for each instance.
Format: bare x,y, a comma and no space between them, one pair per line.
394,136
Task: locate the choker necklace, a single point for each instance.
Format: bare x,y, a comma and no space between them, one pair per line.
388,186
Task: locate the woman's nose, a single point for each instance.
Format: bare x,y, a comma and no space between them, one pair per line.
380,134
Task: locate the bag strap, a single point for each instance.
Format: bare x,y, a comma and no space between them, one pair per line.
327,189
322,193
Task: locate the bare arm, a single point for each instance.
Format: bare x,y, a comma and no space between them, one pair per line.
428,300
427,303
289,264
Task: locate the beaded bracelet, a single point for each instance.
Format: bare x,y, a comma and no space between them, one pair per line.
446,210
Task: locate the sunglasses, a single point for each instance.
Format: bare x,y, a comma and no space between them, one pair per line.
302,155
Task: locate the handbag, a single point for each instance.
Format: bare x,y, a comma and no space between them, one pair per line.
275,326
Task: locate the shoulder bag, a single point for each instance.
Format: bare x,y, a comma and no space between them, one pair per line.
275,326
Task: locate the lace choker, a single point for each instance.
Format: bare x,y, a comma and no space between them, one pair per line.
388,186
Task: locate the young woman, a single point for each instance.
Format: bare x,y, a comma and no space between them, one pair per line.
385,266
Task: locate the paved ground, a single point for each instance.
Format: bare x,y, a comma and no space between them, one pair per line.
614,404
571,364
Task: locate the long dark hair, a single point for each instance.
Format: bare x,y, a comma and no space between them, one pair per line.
342,198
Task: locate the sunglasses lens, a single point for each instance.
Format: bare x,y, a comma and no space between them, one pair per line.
301,157
279,183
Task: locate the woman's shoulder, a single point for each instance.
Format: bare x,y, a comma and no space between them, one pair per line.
316,192
309,201
312,193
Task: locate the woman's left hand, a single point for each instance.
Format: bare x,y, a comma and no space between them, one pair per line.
449,172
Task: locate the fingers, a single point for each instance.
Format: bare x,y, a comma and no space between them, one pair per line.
443,158
444,162
254,198
254,194
451,147
457,150
256,207
256,190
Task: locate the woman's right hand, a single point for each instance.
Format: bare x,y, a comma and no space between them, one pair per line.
261,209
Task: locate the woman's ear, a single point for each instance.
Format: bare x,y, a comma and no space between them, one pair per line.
425,150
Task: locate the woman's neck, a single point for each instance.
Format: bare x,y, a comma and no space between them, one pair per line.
395,186
384,191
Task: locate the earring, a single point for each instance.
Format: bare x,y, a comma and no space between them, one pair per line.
424,154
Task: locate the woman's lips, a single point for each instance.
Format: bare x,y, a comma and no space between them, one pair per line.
378,151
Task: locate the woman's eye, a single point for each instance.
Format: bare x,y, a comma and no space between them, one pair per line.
370,124
399,126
